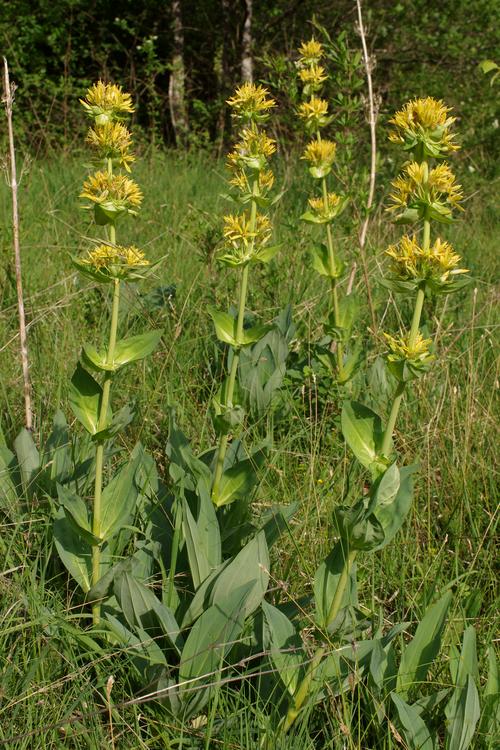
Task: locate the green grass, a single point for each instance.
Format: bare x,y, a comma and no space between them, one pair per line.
52,691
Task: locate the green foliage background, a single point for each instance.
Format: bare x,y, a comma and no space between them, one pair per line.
55,50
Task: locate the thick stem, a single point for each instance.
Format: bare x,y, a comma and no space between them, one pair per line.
303,689
417,312
398,395
23,338
334,291
222,449
99,455
391,423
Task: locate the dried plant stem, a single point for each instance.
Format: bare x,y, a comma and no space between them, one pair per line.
372,119
8,101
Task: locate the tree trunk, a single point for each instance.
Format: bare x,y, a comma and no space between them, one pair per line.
223,77
176,86
246,52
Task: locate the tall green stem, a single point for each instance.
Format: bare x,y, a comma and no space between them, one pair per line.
304,687
222,449
334,291
99,455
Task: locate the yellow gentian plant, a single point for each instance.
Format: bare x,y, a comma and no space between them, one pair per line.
324,208
247,240
422,193
90,543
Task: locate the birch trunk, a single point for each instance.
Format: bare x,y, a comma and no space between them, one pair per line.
247,43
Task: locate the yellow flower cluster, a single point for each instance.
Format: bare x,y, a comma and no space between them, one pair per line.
434,190
410,261
313,76
314,113
239,229
424,124
112,141
320,154
106,256
326,210
111,195
241,181
251,103
310,52
107,102
114,191
246,234
400,348
252,150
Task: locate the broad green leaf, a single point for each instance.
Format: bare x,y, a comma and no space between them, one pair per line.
326,581
286,651
139,643
415,730
320,259
201,600
462,718
460,709
363,432
96,359
118,500
253,334
85,395
142,609
136,347
76,512
225,326
198,561
118,422
28,457
488,65
490,720
250,566
265,254
393,499
419,654
237,482
208,526
206,649
8,494
73,551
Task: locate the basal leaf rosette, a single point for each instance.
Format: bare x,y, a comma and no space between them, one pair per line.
422,193
111,196
251,104
246,240
112,141
423,126
408,359
436,268
320,155
107,263
106,103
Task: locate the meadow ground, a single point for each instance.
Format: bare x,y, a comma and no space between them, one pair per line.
448,424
